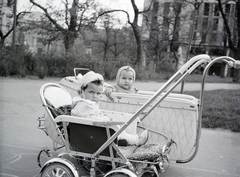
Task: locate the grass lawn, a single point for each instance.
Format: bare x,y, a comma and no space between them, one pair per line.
221,109
190,78
209,79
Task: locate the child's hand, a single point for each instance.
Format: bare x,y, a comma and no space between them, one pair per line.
108,92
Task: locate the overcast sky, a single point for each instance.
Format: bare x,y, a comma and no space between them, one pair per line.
114,4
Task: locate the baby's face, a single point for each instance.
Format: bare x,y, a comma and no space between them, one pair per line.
126,79
92,92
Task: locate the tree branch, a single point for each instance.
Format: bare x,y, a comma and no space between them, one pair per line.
48,15
9,32
136,12
148,9
111,11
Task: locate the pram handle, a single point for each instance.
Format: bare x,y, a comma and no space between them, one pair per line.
235,64
192,61
232,63
80,69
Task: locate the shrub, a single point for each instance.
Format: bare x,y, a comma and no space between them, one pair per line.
30,63
13,63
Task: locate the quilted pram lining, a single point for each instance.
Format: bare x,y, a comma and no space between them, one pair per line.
150,152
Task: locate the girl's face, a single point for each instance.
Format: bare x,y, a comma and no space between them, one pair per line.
126,79
92,92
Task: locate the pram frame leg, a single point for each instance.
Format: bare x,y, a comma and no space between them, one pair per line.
111,149
67,144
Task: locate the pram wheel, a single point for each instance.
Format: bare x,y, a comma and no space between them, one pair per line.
118,175
148,174
56,170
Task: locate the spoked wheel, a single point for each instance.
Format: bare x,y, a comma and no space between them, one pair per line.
148,174
120,173
100,166
56,170
117,174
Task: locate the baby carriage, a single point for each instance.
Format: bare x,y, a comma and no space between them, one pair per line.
173,121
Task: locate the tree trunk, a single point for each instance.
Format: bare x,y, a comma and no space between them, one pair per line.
71,33
233,42
236,71
222,70
136,32
235,75
175,39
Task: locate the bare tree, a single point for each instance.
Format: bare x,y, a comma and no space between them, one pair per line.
70,21
134,25
77,19
4,36
114,42
177,8
232,33
164,30
118,43
106,40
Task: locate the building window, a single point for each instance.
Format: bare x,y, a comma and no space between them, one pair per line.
215,24
0,23
39,40
214,37
9,3
89,50
236,11
206,9
227,9
196,23
8,27
166,21
204,38
39,51
205,23
216,10
155,7
195,36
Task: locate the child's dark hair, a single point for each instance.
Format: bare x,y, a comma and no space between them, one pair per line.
96,82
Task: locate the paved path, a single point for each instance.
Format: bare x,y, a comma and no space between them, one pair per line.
20,140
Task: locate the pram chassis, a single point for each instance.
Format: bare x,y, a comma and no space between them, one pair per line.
141,113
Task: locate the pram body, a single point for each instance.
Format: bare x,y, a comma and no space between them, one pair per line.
92,145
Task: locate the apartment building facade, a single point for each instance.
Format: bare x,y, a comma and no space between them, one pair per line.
31,38
35,39
194,28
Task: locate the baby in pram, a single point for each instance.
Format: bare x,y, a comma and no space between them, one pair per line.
125,78
87,105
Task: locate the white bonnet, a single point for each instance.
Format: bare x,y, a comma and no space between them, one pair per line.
88,77
125,68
